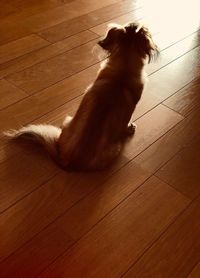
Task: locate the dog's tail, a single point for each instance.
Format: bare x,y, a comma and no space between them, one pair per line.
45,135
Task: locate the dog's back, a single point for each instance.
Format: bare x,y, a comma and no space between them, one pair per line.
94,136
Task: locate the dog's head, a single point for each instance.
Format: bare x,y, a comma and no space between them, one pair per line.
128,38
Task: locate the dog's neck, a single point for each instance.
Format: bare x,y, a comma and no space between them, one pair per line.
117,67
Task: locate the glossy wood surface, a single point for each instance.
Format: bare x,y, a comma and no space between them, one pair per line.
139,218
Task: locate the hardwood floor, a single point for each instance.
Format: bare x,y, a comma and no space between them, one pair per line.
141,217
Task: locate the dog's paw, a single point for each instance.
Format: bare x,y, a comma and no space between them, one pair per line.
131,128
66,121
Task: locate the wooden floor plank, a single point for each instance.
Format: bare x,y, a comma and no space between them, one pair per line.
11,31
132,16
23,173
182,171
160,119
6,151
7,9
9,94
52,199
149,16
29,8
34,6
45,53
20,47
84,22
46,73
170,82
170,143
23,4
107,196
172,49
195,272
70,10
15,115
185,100
176,252
25,25
128,230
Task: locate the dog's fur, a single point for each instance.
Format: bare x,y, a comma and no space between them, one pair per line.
96,134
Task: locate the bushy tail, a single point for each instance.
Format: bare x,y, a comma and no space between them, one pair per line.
45,135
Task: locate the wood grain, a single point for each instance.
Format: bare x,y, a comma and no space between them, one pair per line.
9,94
51,199
195,272
23,173
19,114
78,24
187,66
176,252
68,11
55,69
7,9
185,100
20,47
45,53
144,135
25,25
99,202
149,16
171,51
162,150
11,31
182,171
138,218
156,92
35,6
128,230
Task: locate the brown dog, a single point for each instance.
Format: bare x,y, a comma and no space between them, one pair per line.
96,134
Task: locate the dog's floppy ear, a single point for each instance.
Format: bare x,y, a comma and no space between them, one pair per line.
142,39
146,43
113,37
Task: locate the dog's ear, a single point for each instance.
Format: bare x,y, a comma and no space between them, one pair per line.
142,39
146,44
113,37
